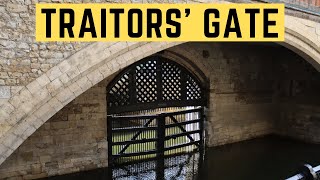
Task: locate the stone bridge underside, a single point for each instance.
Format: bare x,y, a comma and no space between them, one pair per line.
35,103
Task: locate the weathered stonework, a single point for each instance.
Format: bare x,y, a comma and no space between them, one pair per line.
298,99
22,59
241,102
73,140
5,92
45,77
244,103
23,113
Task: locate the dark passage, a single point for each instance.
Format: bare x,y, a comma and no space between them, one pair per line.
263,158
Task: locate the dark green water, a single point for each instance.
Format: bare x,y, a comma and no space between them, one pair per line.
264,158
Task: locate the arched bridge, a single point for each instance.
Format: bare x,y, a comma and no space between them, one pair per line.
25,111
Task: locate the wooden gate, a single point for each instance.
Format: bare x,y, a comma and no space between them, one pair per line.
141,137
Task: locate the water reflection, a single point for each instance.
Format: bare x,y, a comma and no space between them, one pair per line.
264,158
180,167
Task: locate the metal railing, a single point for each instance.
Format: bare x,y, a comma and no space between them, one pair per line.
308,6
307,172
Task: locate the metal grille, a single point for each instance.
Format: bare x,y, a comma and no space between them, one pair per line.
154,82
193,89
171,82
119,93
155,112
146,81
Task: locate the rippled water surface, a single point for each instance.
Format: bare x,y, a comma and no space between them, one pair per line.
264,158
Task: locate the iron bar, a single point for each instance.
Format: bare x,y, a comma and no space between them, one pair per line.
160,146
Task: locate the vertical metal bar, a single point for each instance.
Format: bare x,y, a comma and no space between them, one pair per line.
160,146
202,143
109,138
201,127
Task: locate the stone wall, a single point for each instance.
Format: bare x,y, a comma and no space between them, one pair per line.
254,89
22,59
299,101
73,140
244,99
241,90
241,106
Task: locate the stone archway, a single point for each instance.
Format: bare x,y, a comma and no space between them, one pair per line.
25,112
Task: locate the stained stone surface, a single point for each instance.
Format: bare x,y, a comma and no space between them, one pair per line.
5,92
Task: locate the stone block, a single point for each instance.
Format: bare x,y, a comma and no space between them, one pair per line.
84,83
64,78
64,66
73,72
95,76
7,44
75,89
34,87
65,96
5,92
53,73
43,80
16,8
54,86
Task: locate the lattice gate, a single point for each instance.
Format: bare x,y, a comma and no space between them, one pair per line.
155,111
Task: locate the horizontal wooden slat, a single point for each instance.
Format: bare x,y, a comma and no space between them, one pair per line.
134,141
182,145
133,129
182,134
182,123
135,154
133,117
